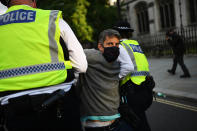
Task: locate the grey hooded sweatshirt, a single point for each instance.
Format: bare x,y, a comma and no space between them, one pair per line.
98,91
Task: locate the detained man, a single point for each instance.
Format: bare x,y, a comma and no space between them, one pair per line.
99,86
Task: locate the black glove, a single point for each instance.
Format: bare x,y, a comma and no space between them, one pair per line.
149,82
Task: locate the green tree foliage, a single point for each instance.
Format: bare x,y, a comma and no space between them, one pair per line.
87,18
74,12
66,6
101,16
50,4
84,31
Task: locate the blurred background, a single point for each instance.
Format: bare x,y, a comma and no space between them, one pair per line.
87,18
149,18
176,107
152,18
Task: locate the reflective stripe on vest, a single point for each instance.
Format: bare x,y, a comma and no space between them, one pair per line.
51,32
34,69
140,73
141,70
32,57
130,52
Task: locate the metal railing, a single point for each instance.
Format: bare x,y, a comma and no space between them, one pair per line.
156,44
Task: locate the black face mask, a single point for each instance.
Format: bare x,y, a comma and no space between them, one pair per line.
111,53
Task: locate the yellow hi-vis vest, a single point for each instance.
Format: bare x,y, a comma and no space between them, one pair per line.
30,53
141,67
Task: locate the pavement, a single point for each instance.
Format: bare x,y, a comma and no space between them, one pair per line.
173,85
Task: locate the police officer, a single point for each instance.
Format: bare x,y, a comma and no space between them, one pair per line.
33,68
137,85
98,87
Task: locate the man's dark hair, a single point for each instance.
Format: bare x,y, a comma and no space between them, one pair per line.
108,33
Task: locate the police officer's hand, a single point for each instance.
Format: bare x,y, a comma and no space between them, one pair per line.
149,82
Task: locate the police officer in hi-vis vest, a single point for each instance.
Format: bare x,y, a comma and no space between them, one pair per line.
137,86
35,93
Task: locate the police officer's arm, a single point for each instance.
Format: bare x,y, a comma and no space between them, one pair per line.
76,54
2,8
126,65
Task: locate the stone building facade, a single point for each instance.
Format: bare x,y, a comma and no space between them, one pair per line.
152,18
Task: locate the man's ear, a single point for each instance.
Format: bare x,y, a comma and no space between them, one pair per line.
100,47
34,4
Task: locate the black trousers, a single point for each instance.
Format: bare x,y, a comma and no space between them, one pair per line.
139,101
178,59
56,118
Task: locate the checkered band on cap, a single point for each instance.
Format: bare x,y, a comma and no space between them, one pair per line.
123,28
140,73
31,70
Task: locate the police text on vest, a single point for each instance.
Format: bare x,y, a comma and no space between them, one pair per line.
136,48
18,16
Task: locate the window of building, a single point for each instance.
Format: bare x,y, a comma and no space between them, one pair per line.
142,17
193,11
167,14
